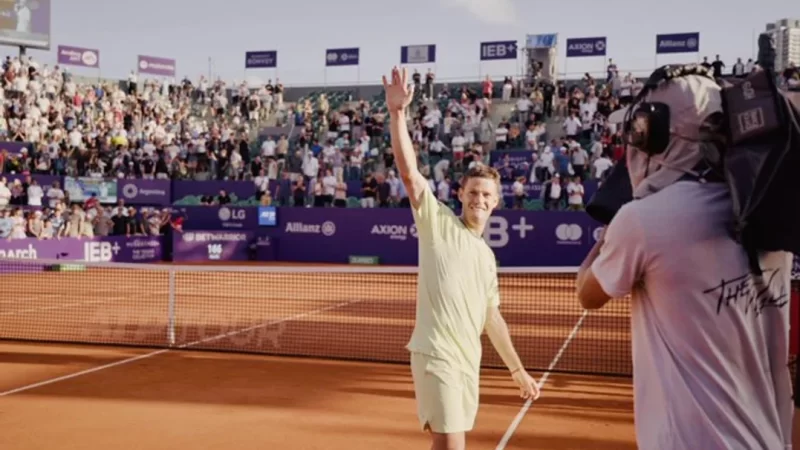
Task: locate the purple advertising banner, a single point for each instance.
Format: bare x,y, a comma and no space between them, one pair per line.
25,24
104,249
218,217
156,66
196,246
513,158
589,46
342,56
77,56
267,59
145,192
518,238
678,43
491,51
189,192
14,147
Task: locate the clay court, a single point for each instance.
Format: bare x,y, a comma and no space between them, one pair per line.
286,357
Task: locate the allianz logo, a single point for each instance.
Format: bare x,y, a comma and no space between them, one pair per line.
326,228
398,232
672,43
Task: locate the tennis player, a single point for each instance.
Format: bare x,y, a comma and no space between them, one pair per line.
710,340
458,294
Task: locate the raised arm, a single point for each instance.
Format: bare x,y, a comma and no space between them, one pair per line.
398,96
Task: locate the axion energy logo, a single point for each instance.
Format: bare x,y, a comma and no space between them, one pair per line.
396,232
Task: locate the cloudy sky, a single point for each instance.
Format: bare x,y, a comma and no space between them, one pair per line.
212,37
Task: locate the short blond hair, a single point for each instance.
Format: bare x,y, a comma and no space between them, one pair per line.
482,171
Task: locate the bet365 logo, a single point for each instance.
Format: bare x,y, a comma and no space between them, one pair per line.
214,251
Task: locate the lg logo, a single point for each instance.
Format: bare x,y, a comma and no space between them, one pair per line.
226,214
496,234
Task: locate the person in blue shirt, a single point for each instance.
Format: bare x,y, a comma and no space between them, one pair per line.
6,224
561,160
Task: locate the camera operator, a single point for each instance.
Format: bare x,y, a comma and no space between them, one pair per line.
710,339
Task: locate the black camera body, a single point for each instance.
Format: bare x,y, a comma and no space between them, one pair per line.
760,154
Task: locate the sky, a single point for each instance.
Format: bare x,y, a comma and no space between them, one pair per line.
212,37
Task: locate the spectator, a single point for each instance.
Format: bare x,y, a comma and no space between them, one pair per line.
508,88
580,159
718,65
329,182
223,198
5,194
340,194
102,224
299,192
6,224
35,226
19,225
575,194
384,192
572,126
369,192
518,191
35,194
443,190
394,187
552,193
134,224
47,230
601,166
55,194
74,226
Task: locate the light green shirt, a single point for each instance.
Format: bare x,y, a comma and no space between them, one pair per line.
457,283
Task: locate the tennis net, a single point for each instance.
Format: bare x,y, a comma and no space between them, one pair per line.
356,312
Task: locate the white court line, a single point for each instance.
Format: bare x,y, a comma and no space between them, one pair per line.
184,346
526,406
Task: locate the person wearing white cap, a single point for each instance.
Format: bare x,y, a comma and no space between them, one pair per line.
710,338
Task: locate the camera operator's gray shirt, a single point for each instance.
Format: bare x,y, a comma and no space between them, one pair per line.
710,345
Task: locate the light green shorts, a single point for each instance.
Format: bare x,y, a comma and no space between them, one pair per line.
447,397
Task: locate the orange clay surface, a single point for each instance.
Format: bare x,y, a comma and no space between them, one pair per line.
69,396
203,400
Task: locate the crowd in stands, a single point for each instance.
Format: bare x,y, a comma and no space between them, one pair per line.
203,131
83,221
51,215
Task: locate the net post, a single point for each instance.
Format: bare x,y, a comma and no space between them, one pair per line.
171,310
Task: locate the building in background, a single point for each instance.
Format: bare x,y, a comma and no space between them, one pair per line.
786,34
